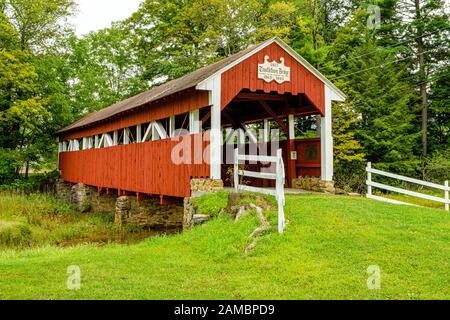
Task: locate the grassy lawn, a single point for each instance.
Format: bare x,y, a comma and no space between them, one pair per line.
417,201
329,243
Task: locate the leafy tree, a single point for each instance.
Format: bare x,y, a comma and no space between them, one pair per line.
38,22
383,99
105,69
424,29
178,37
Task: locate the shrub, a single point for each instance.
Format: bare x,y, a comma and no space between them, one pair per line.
14,234
9,162
351,177
437,167
44,183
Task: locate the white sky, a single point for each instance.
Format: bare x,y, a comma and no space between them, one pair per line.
94,15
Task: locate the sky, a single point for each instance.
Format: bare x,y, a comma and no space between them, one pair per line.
94,15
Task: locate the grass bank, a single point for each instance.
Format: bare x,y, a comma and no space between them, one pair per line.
328,246
39,220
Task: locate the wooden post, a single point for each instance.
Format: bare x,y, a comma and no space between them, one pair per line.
292,163
326,139
236,170
369,179
266,131
280,191
96,141
172,127
139,133
116,138
447,204
126,136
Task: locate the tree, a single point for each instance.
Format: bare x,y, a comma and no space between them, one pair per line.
176,38
376,82
38,22
105,69
424,28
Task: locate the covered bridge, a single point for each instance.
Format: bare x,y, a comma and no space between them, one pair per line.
128,147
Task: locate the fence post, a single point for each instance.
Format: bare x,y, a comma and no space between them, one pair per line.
280,191
447,205
369,179
236,170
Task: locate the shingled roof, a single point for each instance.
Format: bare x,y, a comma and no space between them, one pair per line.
188,81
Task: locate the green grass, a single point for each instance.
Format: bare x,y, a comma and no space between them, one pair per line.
38,220
417,201
329,243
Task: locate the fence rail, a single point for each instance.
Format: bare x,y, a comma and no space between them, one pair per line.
371,184
278,176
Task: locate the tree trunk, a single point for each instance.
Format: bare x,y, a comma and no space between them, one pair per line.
27,169
423,79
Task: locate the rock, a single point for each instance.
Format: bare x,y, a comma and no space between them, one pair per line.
200,219
206,185
314,184
80,198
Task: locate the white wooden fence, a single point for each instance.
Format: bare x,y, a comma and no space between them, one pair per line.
371,184
278,176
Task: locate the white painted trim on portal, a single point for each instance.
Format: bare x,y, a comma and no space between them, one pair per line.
215,96
64,146
96,140
326,139
266,137
337,94
291,121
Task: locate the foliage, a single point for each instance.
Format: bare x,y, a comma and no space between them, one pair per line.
212,204
14,234
38,220
49,77
329,243
437,167
38,22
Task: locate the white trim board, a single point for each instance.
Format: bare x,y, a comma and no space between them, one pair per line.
337,94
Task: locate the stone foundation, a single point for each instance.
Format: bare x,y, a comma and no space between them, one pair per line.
148,214
206,185
314,184
63,190
192,216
